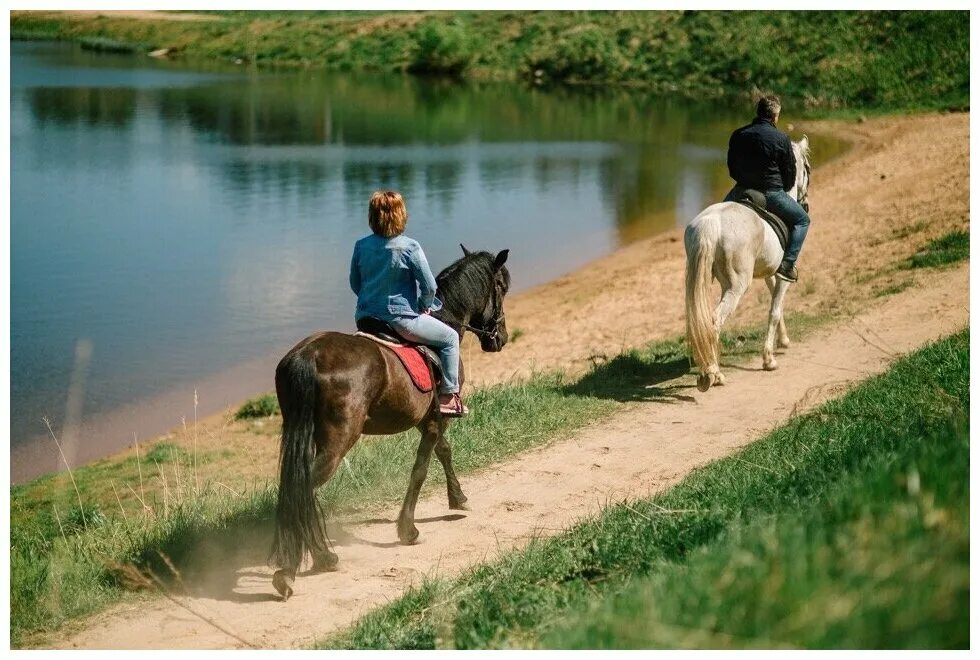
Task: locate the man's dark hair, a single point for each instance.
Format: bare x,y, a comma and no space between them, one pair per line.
768,107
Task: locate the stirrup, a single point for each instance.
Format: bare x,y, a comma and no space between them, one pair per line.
454,408
787,274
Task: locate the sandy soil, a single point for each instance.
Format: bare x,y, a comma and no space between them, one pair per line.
903,183
635,453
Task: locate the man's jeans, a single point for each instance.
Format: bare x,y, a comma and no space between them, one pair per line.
426,329
789,210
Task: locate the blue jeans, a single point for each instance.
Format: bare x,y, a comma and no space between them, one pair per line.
788,209
425,329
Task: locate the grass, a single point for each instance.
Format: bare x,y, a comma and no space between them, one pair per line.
892,289
31,35
848,527
847,61
155,503
265,405
104,45
943,251
905,232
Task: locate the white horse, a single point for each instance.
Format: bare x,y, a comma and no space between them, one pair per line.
732,243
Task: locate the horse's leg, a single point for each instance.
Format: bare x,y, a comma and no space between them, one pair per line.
327,459
445,455
738,280
779,289
407,532
334,440
782,337
731,297
324,467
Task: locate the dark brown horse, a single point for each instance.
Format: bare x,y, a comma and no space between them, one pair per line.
333,387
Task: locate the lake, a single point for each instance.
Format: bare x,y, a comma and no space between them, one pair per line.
176,228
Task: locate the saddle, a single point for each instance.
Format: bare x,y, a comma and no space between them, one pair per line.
756,201
421,362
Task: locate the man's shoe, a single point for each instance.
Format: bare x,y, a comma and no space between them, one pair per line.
786,272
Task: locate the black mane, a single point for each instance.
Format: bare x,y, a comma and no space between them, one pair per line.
464,287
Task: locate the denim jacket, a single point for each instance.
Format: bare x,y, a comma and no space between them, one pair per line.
391,278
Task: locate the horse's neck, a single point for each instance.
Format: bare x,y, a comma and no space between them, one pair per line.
457,321
452,320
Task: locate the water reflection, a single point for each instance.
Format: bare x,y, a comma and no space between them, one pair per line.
111,107
644,184
186,221
306,110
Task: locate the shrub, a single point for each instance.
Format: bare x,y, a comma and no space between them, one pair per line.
580,54
266,405
104,45
441,48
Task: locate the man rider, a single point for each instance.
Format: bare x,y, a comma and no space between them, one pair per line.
761,157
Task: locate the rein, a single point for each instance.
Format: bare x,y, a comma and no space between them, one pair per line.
803,190
485,333
803,198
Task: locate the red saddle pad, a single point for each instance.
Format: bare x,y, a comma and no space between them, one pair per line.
415,364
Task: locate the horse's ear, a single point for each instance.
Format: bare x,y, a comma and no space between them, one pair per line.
501,259
466,252
805,143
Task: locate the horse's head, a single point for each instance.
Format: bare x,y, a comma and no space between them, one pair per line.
801,152
472,291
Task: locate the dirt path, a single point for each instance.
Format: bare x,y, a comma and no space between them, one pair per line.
641,450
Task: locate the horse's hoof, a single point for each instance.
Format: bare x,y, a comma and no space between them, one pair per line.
459,504
410,537
283,582
719,380
770,366
784,343
327,561
704,382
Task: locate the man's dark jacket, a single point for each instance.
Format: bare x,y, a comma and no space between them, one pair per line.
761,157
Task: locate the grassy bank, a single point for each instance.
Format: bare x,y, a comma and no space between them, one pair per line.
942,252
848,527
831,60
69,537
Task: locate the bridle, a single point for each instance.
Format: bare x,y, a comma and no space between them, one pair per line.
492,335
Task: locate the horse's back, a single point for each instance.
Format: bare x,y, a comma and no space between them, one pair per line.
738,231
357,372
330,349
727,225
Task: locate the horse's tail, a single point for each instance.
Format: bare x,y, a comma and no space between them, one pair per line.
299,519
700,241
